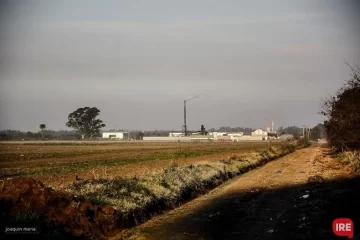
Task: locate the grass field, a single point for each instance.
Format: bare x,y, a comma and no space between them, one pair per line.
58,164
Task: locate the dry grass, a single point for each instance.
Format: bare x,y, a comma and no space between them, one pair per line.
352,159
142,197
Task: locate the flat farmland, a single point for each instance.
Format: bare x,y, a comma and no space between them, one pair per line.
59,164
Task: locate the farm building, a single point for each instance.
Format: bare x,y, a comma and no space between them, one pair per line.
259,132
116,135
239,134
176,134
174,139
218,134
250,138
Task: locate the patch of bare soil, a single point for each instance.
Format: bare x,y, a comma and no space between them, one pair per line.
76,158
76,216
295,197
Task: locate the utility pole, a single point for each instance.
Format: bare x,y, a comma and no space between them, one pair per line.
303,131
306,132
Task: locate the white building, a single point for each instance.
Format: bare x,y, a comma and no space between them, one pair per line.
116,135
236,136
239,134
168,139
215,134
252,138
176,134
259,132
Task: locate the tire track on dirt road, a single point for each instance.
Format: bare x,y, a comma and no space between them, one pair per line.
250,206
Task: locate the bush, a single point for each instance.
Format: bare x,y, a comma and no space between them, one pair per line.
352,159
343,115
303,142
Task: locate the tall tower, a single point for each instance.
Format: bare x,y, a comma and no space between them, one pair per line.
185,127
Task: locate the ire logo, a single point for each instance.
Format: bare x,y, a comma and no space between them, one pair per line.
343,227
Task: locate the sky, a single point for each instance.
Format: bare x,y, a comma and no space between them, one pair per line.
250,62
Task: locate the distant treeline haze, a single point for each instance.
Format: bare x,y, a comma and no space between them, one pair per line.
317,132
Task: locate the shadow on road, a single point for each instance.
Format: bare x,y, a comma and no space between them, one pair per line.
296,212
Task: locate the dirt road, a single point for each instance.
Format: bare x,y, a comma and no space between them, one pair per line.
275,201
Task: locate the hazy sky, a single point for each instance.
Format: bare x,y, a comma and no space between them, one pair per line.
252,61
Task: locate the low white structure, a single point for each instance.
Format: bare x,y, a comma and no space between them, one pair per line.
221,136
169,139
177,134
116,135
259,132
235,137
239,134
216,134
252,138
199,137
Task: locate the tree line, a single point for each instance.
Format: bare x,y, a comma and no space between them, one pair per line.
317,132
46,134
342,112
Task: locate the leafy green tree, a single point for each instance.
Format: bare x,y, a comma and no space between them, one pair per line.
29,134
343,115
42,128
85,122
4,136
